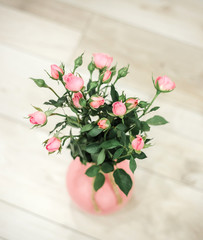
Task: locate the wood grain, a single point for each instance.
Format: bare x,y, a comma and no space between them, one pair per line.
37,36
181,21
18,224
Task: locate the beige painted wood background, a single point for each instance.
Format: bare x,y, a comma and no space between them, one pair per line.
157,36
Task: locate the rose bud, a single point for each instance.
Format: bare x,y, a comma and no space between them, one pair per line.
102,60
138,143
132,103
76,99
123,72
73,83
164,84
104,123
38,118
96,102
54,71
53,144
107,76
119,109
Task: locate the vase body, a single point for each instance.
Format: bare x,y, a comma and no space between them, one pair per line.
109,198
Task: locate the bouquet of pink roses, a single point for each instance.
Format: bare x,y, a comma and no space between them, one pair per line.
110,124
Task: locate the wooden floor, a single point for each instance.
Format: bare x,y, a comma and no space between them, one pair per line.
163,37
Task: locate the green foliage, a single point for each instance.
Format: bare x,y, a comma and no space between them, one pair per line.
40,83
99,181
157,120
133,164
93,148
110,144
92,171
107,167
101,157
114,94
95,131
123,180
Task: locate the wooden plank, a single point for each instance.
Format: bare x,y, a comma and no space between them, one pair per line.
35,182
148,53
16,223
178,20
57,11
37,36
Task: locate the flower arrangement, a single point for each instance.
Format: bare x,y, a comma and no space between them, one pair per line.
110,124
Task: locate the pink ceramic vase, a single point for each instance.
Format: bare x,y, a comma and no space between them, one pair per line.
109,198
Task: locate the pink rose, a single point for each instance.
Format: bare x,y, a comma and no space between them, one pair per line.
102,60
165,83
138,143
53,144
107,75
54,71
38,118
103,123
73,83
133,103
76,98
96,102
119,108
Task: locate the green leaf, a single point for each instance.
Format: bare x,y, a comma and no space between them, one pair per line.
93,148
156,120
144,126
118,153
95,131
72,121
92,171
101,157
37,108
92,85
142,155
82,102
40,82
49,112
86,128
121,127
114,94
110,144
133,164
107,167
123,180
57,126
123,138
99,181
154,109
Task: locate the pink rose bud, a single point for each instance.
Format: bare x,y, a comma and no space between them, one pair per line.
165,84
132,103
119,109
73,83
104,123
38,118
53,144
107,75
54,71
102,60
76,98
96,102
138,143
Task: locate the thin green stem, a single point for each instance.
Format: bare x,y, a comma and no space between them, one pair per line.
58,114
146,109
53,91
